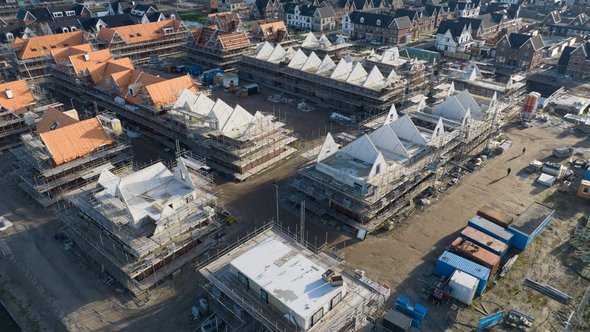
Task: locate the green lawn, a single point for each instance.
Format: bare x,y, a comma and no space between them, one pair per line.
193,17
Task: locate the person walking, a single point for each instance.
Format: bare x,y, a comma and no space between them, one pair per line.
508,171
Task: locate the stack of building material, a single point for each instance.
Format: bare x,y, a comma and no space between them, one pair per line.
475,253
448,263
485,241
490,229
462,286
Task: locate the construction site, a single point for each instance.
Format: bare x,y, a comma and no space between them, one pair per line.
64,154
236,142
146,42
214,48
21,106
272,281
144,225
345,87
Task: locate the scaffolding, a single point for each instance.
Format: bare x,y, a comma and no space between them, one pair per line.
336,95
392,194
48,183
171,43
239,158
140,257
363,296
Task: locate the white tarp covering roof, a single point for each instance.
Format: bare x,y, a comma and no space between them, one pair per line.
233,122
346,70
455,107
153,192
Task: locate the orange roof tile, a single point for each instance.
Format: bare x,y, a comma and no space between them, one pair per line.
54,119
102,71
138,33
167,92
62,54
43,45
83,62
21,96
75,140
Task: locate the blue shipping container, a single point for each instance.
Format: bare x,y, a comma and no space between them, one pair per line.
530,224
448,262
491,229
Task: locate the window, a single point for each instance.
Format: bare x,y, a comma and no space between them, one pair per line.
378,22
263,296
70,13
362,20
378,169
586,190
317,316
9,36
58,14
335,300
243,280
189,199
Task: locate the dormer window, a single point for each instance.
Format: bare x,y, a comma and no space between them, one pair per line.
168,30
378,22
70,13
58,14
9,36
362,20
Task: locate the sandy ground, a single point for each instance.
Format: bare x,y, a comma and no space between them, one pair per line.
403,256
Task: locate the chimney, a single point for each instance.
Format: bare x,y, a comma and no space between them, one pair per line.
9,94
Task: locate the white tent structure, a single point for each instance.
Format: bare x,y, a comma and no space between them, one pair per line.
346,70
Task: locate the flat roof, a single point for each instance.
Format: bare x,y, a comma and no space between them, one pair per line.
290,277
531,218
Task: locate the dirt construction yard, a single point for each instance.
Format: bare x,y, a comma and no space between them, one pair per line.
404,257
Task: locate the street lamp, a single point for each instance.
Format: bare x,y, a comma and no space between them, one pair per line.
277,199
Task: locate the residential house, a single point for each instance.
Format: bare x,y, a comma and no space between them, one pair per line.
438,13
382,28
577,26
120,7
274,32
375,6
454,36
267,10
518,51
234,6
481,27
575,61
143,42
465,8
30,16
310,17
422,22
95,24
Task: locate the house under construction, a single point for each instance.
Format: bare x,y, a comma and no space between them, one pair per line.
144,225
345,87
472,78
236,142
21,106
32,57
232,140
271,282
376,177
65,154
214,48
412,71
323,46
145,42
